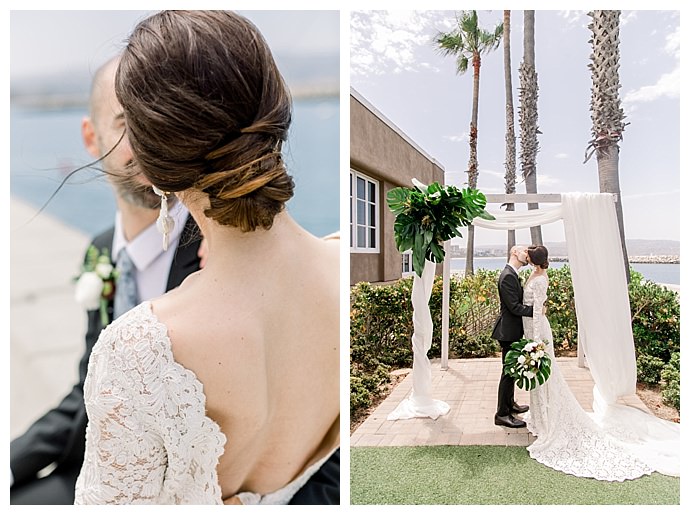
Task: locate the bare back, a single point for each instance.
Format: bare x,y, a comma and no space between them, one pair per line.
264,342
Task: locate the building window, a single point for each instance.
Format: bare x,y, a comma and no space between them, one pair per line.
407,269
364,213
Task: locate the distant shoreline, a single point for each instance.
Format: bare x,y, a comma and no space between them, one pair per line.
652,260
666,260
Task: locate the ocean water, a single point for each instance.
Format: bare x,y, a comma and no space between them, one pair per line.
46,145
664,273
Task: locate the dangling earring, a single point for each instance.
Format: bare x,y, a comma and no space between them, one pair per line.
164,223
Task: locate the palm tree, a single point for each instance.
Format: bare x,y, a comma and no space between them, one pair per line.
510,122
607,113
467,42
529,94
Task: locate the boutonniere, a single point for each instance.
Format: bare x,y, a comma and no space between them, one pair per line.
96,283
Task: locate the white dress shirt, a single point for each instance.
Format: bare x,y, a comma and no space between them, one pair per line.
152,263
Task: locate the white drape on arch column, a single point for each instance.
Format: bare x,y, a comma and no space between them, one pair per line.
421,404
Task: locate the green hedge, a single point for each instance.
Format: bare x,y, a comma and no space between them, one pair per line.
670,376
381,325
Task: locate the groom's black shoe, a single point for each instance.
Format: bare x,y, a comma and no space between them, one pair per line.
509,421
519,408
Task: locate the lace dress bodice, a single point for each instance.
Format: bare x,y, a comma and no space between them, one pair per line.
534,294
148,440
568,439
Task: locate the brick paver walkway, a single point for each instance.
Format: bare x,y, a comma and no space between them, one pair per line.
469,386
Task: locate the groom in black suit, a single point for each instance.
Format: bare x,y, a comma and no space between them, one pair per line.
57,438
507,330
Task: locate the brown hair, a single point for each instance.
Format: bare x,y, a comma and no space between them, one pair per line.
539,255
206,108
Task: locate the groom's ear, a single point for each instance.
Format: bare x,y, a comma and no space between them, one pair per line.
88,134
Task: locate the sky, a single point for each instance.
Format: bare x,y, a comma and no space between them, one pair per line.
395,67
94,36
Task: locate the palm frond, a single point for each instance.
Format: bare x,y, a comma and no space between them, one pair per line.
462,63
449,43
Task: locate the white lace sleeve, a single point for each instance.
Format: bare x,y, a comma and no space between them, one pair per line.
148,440
539,287
125,459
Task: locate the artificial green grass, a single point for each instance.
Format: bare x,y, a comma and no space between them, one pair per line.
486,475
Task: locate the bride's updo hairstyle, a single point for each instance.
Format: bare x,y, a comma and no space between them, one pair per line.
538,255
206,108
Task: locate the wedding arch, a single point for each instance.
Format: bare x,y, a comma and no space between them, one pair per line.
601,301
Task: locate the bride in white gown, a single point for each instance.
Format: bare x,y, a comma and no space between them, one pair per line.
226,390
568,438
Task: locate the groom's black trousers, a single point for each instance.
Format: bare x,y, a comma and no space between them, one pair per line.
506,386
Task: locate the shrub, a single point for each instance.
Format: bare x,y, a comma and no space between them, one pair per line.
364,385
670,375
381,328
649,369
655,313
381,325
560,309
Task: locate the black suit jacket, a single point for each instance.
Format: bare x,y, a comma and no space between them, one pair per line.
59,435
508,327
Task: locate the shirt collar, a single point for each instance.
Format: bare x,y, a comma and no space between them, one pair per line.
148,244
511,266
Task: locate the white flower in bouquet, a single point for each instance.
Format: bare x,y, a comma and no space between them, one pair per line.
540,354
529,374
104,270
88,291
522,360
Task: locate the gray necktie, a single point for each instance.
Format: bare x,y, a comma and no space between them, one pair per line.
126,296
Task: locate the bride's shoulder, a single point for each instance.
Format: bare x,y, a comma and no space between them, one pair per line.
541,279
126,333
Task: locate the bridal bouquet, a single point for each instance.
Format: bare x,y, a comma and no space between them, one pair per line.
528,363
426,216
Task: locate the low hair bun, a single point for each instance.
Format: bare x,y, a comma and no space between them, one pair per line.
206,108
539,256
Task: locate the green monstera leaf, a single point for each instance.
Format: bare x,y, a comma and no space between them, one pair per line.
427,216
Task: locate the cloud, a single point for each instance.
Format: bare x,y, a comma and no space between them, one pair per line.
388,41
627,17
666,86
458,138
636,196
575,18
562,155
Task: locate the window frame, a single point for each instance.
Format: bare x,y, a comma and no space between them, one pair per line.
354,222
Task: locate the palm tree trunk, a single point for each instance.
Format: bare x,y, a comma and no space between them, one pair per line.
473,171
607,163
607,113
510,122
529,93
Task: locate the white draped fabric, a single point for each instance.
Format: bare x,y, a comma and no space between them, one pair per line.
420,404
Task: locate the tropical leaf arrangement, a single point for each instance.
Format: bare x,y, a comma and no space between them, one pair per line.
426,216
528,363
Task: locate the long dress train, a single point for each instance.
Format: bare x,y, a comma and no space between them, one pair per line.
568,438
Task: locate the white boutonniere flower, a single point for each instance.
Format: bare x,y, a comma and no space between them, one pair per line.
96,283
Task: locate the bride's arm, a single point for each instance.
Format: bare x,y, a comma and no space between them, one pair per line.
124,460
540,286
